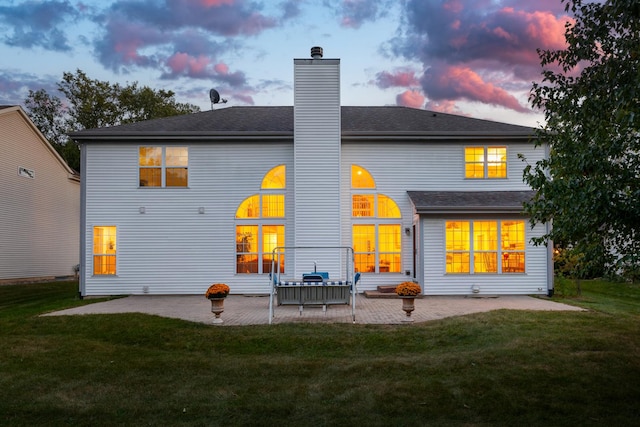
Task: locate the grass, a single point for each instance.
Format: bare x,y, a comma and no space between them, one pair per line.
499,368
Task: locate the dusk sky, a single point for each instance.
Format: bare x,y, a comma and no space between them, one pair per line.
475,58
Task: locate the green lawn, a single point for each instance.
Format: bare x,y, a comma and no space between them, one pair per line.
509,368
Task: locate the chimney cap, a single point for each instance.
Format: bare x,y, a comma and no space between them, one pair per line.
316,52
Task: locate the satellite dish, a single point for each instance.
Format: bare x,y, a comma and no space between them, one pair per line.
214,96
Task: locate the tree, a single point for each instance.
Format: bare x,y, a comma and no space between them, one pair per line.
91,104
588,186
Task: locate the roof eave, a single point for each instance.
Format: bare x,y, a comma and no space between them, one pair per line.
457,210
454,135
173,136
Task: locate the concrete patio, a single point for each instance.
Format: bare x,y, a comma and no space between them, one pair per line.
254,310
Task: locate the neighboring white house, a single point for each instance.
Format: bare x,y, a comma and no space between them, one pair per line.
39,204
172,205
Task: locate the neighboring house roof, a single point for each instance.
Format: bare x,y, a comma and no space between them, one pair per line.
277,122
452,202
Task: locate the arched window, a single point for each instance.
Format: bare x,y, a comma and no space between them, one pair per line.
361,178
276,178
258,225
376,236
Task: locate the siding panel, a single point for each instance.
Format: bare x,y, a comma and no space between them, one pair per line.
171,248
39,218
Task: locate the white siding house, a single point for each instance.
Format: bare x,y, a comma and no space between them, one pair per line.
39,204
171,205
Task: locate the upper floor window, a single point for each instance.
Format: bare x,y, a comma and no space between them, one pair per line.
361,178
485,246
485,162
163,166
276,178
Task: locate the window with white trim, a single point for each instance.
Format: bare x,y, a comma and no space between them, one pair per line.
259,227
376,233
485,246
163,166
104,250
485,162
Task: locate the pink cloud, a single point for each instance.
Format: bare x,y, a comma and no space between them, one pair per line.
216,3
221,68
460,82
400,78
454,6
184,64
410,98
444,106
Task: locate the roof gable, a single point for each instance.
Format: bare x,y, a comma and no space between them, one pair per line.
15,109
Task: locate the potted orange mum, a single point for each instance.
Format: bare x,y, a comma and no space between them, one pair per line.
216,293
408,292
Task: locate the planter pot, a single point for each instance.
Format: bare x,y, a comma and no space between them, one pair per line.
408,305
217,307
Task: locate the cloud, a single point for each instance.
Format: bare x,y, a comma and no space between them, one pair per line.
446,106
219,17
399,78
458,82
38,24
356,12
201,67
478,51
148,33
123,42
15,86
410,98
290,9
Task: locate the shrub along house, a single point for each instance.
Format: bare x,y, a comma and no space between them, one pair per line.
172,205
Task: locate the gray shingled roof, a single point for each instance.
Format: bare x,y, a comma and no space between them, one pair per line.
448,202
278,122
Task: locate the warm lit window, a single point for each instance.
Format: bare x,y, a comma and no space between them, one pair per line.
265,206
387,208
276,178
249,208
457,246
247,248
377,244
104,250
494,246
163,166
389,248
485,247
256,240
255,243
362,204
361,178
364,247
272,237
485,162
273,205
513,239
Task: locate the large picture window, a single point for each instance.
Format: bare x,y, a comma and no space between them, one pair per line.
257,235
477,247
376,233
485,162
104,250
163,166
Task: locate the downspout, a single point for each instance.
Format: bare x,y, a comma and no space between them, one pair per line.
82,289
550,268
